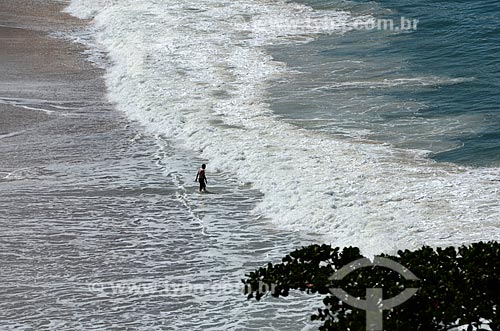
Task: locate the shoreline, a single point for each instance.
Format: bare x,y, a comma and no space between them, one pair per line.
39,71
72,170
89,198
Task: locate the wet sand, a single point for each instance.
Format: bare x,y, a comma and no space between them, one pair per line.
88,201
46,85
68,169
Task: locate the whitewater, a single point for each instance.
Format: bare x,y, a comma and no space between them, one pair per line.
196,74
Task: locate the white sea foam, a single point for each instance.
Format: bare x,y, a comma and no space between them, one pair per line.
430,81
195,72
11,134
37,104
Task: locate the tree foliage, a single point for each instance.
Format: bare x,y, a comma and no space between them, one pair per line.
457,286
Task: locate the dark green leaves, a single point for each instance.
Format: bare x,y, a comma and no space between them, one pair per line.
457,286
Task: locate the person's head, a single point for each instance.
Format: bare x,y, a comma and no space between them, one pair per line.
203,166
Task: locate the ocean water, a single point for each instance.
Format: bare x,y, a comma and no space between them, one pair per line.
335,126
313,131
434,88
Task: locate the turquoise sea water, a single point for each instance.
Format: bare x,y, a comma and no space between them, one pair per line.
435,88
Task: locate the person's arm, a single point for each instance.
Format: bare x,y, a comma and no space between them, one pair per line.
197,176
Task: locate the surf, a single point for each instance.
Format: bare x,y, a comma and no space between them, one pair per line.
198,74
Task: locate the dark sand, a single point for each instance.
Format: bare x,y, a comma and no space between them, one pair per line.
70,166
41,72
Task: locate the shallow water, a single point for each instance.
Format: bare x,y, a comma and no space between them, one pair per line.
103,226
116,239
296,114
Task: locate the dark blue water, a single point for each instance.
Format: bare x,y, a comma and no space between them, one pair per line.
435,88
459,39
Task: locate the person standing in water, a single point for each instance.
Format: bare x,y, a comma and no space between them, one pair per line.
202,178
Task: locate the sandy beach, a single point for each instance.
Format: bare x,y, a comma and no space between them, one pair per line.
65,161
90,205
105,120
41,78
